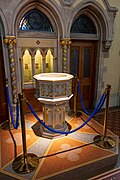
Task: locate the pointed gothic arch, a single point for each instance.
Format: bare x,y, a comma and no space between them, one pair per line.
84,25
103,20
35,20
4,28
49,9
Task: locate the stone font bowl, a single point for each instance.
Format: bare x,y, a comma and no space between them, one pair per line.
53,85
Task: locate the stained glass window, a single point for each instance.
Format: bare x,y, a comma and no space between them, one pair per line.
83,24
35,20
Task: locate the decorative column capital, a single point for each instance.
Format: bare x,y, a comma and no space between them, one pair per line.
65,41
107,45
10,40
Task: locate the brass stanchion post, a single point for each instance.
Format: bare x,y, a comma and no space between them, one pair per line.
75,112
75,97
105,141
26,162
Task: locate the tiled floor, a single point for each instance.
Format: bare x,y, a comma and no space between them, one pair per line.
113,120
79,138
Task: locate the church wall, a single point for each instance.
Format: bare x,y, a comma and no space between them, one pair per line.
112,64
110,60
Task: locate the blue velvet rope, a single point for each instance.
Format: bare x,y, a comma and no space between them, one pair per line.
103,97
102,100
15,125
62,132
98,107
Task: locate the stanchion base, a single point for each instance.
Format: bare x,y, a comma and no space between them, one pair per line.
28,165
104,142
6,126
75,114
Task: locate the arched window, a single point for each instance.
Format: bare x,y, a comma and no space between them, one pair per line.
27,66
49,62
35,64
83,24
35,20
38,62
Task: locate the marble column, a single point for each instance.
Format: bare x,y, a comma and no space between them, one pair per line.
11,41
65,47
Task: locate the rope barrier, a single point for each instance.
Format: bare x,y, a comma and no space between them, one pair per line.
15,125
72,131
98,107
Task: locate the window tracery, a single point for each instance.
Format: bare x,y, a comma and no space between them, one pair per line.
35,20
35,62
83,24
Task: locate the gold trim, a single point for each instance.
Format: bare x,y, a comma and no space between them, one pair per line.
12,60
10,40
65,41
11,50
12,69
